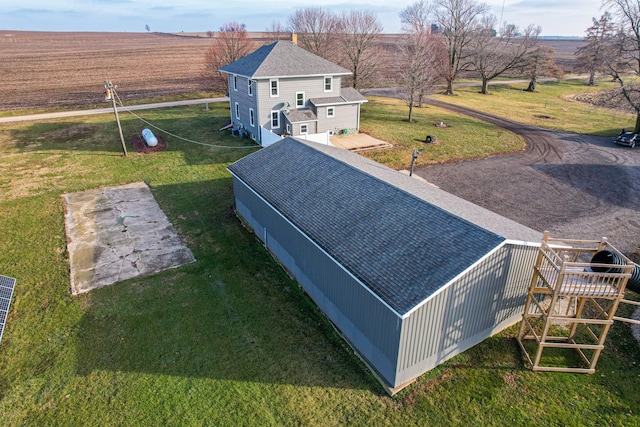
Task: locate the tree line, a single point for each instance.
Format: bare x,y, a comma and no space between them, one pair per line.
613,49
443,40
348,39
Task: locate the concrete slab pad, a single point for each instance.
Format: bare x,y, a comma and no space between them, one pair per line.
118,233
358,142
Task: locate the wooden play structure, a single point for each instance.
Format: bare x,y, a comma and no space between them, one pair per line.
575,290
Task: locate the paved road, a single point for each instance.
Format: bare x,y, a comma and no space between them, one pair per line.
576,186
63,114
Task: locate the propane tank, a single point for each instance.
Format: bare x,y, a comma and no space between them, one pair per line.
149,138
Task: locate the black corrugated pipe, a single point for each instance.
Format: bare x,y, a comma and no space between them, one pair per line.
634,280
608,257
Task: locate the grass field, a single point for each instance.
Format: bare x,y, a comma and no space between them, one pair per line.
463,138
229,339
550,107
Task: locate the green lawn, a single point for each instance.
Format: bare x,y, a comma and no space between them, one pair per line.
550,107
107,104
230,339
463,137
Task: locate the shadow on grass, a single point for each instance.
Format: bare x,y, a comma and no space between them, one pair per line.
233,314
99,135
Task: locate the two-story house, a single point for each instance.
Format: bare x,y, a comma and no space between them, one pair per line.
282,89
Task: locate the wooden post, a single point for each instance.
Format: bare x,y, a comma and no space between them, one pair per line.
111,91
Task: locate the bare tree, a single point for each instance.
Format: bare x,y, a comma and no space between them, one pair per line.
458,21
417,18
422,54
625,69
277,31
541,61
593,56
210,34
494,55
357,31
418,68
316,30
230,44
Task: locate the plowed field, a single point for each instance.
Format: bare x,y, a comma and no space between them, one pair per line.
58,69
43,69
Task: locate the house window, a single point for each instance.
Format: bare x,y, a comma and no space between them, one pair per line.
235,82
237,111
328,84
289,128
331,111
250,87
252,117
275,91
275,120
304,129
299,99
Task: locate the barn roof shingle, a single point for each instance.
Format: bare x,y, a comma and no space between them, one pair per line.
400,246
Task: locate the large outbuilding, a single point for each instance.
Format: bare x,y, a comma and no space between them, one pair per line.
409,274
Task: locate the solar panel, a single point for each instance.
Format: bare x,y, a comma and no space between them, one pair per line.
6,291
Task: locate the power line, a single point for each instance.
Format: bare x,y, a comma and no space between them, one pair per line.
174,135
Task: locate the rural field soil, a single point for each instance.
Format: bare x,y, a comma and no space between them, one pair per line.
50,69
575,186
41,69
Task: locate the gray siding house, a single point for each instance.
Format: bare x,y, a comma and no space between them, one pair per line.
409,274
286,90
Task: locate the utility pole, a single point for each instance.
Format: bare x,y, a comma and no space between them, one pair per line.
109,94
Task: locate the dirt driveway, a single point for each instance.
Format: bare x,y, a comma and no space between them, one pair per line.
575,186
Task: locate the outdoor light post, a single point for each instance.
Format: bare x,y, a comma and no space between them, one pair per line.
414,156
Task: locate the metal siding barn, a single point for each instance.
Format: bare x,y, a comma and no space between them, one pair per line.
410,275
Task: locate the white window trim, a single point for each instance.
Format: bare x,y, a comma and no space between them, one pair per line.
252,117
249,87
306,127
271,88
333,112
289,128
303,100
324,83
235,82
277,115
237,107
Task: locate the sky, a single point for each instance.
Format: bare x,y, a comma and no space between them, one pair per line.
556,17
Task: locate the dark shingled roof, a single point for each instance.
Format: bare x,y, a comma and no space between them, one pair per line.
327,100
401,247
301,115
348,95
282,59
352,95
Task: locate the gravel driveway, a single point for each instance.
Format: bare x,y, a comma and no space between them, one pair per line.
575,186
